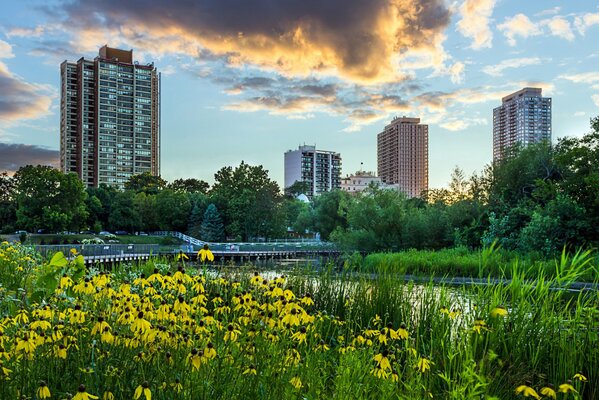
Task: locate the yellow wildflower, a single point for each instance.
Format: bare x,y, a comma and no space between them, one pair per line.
499,311
83,395
205,254
548,391
567,388
42,391
296,382
527,391
143,389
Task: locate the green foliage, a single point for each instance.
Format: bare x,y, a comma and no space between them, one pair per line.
172,209
123,214
47,198
190,185
250,202
212,229
146,183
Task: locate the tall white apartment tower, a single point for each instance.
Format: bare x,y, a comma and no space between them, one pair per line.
524,117
109,118
320,170
402,155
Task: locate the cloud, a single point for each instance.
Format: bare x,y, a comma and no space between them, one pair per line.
16,155
560,27
459,124
21,99
497,70
549,11
580,114
5,50
518,25
475,20
584,77
362,41
585,21
595,99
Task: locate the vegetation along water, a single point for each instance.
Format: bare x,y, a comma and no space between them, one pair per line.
176,330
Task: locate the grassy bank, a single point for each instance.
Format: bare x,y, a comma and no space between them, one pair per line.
478,264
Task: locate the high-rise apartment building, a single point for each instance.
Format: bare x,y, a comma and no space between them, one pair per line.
320,170
524,117
109,118
402,155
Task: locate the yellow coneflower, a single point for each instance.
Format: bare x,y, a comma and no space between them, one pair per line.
383,360
307,300
424,364
499,311
250,370
194,358
177,386
548,391
527,391
43,392
108,396
3,370
209,351
205,254
296,382
580,377
60,351
567,388
322,346
232,333
479,326
83,395
143,389
300,335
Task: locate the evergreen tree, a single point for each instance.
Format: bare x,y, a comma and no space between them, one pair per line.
195,220
212,229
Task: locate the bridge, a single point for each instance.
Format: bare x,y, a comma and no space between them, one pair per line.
223,252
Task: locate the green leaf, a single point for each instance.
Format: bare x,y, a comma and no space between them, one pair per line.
59,260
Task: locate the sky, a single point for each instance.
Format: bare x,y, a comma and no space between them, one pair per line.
250,79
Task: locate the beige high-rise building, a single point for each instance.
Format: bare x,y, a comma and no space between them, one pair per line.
402,153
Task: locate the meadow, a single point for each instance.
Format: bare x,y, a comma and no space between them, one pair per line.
170,329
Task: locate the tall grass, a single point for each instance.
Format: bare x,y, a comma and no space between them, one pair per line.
488,262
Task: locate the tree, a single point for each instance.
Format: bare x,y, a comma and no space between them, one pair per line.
106,195
146,182
8,204
250,201
374,219
123,214
329,212
145,205
172,210
297,188
212,229
195,220
48,199
190,185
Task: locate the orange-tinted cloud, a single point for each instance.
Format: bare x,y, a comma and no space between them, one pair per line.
362,41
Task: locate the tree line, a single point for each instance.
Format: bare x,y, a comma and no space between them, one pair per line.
539,198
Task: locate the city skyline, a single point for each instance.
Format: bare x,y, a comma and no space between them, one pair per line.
231,100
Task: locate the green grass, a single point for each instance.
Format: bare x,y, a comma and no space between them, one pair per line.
476,264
